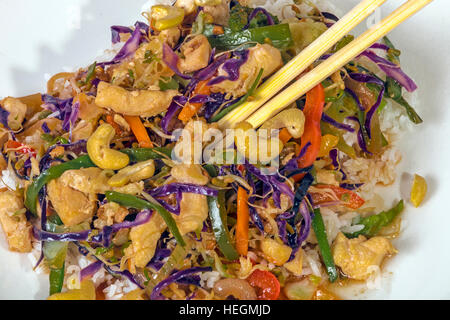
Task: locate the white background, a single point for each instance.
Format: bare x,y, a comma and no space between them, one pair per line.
44,37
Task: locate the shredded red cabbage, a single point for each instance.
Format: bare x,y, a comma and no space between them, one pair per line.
179,189
156,293
252,15
326,118
392,70
105,236
232,67
366,78
171,59
116,31
177,103
90,269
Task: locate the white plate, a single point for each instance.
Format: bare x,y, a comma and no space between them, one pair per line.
40,38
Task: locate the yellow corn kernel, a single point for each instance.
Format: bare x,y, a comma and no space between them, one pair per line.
276,252
418,190
327,143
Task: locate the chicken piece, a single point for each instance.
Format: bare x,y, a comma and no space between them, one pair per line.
15,224
193,211
82,131
72,206
193,207
171,36
196,52
95,181
17,111
89,111
262,56
355,256
144,103
189,173
219,13
144,239
110,213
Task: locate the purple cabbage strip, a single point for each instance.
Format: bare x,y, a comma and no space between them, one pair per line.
105,236
76,147
179,189
45,128
116,31
210,70
293,163
330,16
125,273
380,46
177,103
171,59
326,118
360,136
71,117
90,269
42,235
365,78
392,70
156,293
334,157
257,10
168,189
256,218
4,117
232,67
129,48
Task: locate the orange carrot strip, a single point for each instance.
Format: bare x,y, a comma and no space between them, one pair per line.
285,136
139,131
243,220
190,109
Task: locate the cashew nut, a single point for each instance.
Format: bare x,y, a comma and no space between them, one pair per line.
256,147
139,171
291,119
100,152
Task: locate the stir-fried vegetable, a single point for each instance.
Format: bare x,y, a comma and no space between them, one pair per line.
324,247
165,17
139,131
243,220
51,174
373,224
130,201
277,35
218,215
266,284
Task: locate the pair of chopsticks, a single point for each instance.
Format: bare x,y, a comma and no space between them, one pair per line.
256,112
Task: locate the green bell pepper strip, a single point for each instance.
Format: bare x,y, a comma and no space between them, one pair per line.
130,201
56,280
55,255
244,98
279,36
324,247
144,154
51,174
373,224
394,92
218,216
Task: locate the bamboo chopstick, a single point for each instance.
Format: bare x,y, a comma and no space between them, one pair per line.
303,60
335,62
